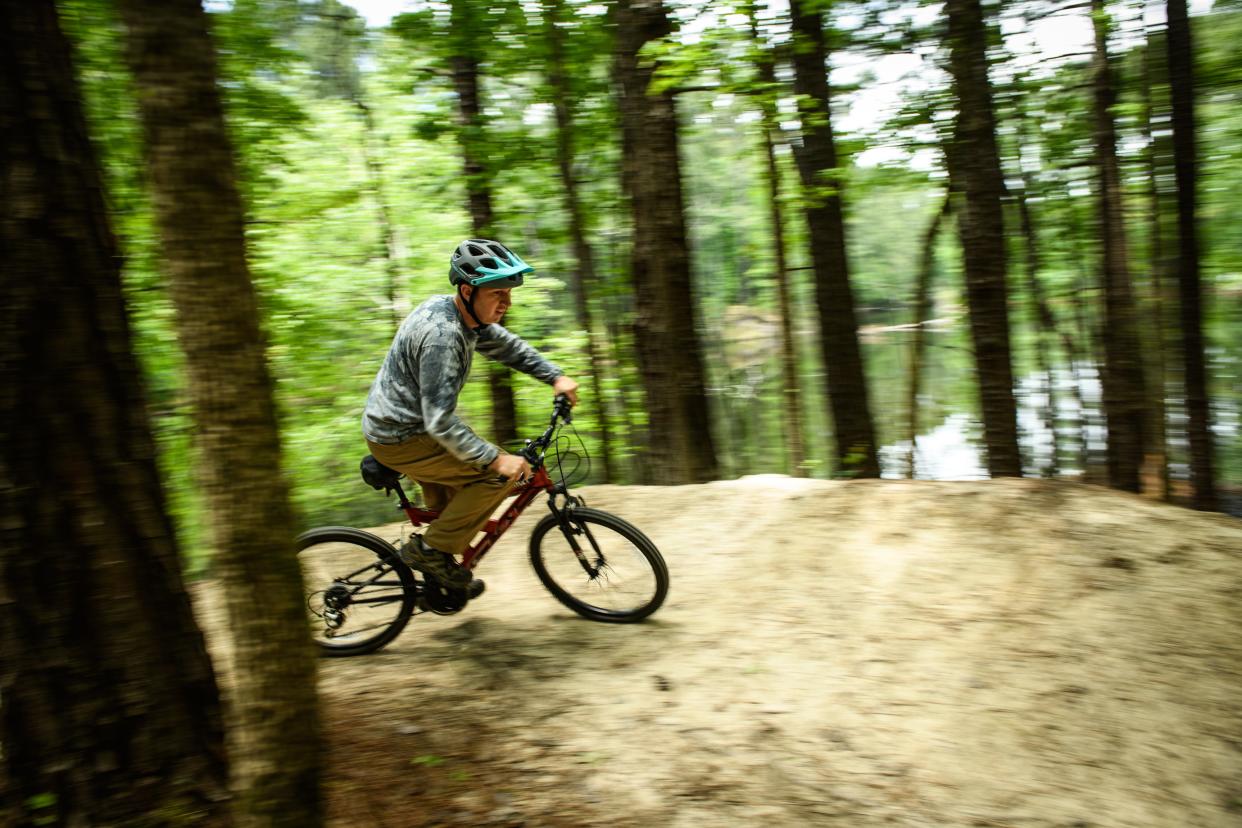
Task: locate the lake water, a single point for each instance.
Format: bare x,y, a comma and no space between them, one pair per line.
950,435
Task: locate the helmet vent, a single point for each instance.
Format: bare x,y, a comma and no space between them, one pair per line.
489,263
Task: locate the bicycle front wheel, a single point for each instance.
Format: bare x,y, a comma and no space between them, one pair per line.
616,575
359,595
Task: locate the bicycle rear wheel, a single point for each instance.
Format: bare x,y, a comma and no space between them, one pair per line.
359,595
620,576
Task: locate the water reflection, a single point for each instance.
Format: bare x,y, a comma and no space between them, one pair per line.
947,452
951,450
748,391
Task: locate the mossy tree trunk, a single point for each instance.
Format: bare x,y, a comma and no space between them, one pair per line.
791,386
679,447
1124,396
467,40
856,451
1185,164
922,311
975,171
584,276
274,727
110,712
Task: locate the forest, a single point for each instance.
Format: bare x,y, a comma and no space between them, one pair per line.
351,145
830,239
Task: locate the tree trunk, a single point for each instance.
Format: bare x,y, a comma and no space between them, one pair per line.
618,309
975,171
388,236
110,710
1090,346
922,310
1048,330
1048,322
1046,326
1185,164
791,387
679,447
336,65
584,275
621,359
1156,342
821,184
479,189
274,728
1123,368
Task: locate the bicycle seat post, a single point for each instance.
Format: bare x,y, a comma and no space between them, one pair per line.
402,500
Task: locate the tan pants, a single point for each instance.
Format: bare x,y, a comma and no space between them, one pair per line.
464,496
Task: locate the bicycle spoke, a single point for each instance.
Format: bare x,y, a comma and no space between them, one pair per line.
330,633
614,574
357,600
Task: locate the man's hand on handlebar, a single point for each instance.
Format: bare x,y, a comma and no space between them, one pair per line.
564,385
512,466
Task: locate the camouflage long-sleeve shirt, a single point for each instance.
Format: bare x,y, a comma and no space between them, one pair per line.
416,389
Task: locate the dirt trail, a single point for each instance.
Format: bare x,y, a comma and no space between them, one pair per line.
1005,653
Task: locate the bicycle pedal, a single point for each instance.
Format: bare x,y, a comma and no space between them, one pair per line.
441,599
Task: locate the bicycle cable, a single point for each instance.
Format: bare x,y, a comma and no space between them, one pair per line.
562,450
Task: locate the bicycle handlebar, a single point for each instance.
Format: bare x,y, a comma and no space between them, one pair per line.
534,450
562,407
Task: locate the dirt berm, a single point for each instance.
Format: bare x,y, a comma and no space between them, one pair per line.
1007,653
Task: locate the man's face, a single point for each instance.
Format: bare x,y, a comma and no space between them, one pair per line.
490,304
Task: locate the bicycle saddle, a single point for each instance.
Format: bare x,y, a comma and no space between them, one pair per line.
377,475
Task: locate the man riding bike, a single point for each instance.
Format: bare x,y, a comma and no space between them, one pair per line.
410,423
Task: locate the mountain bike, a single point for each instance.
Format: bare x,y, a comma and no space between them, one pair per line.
361,595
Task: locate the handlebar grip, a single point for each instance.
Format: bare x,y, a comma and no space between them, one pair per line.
563,407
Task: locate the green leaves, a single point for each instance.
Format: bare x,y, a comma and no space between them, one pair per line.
428,761
294,70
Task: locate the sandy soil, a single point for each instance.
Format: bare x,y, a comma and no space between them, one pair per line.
1007,653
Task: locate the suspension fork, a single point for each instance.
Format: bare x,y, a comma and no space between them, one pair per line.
564,519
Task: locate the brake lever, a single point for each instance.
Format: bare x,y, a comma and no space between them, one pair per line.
529,454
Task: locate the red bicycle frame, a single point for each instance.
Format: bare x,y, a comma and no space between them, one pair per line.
495,527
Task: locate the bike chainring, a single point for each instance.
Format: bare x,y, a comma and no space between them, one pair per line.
440,599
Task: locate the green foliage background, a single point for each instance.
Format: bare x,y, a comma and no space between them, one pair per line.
295,74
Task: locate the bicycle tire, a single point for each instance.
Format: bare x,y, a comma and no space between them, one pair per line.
387,561
584,519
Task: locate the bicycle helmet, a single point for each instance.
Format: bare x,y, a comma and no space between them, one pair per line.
478,262
484,263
